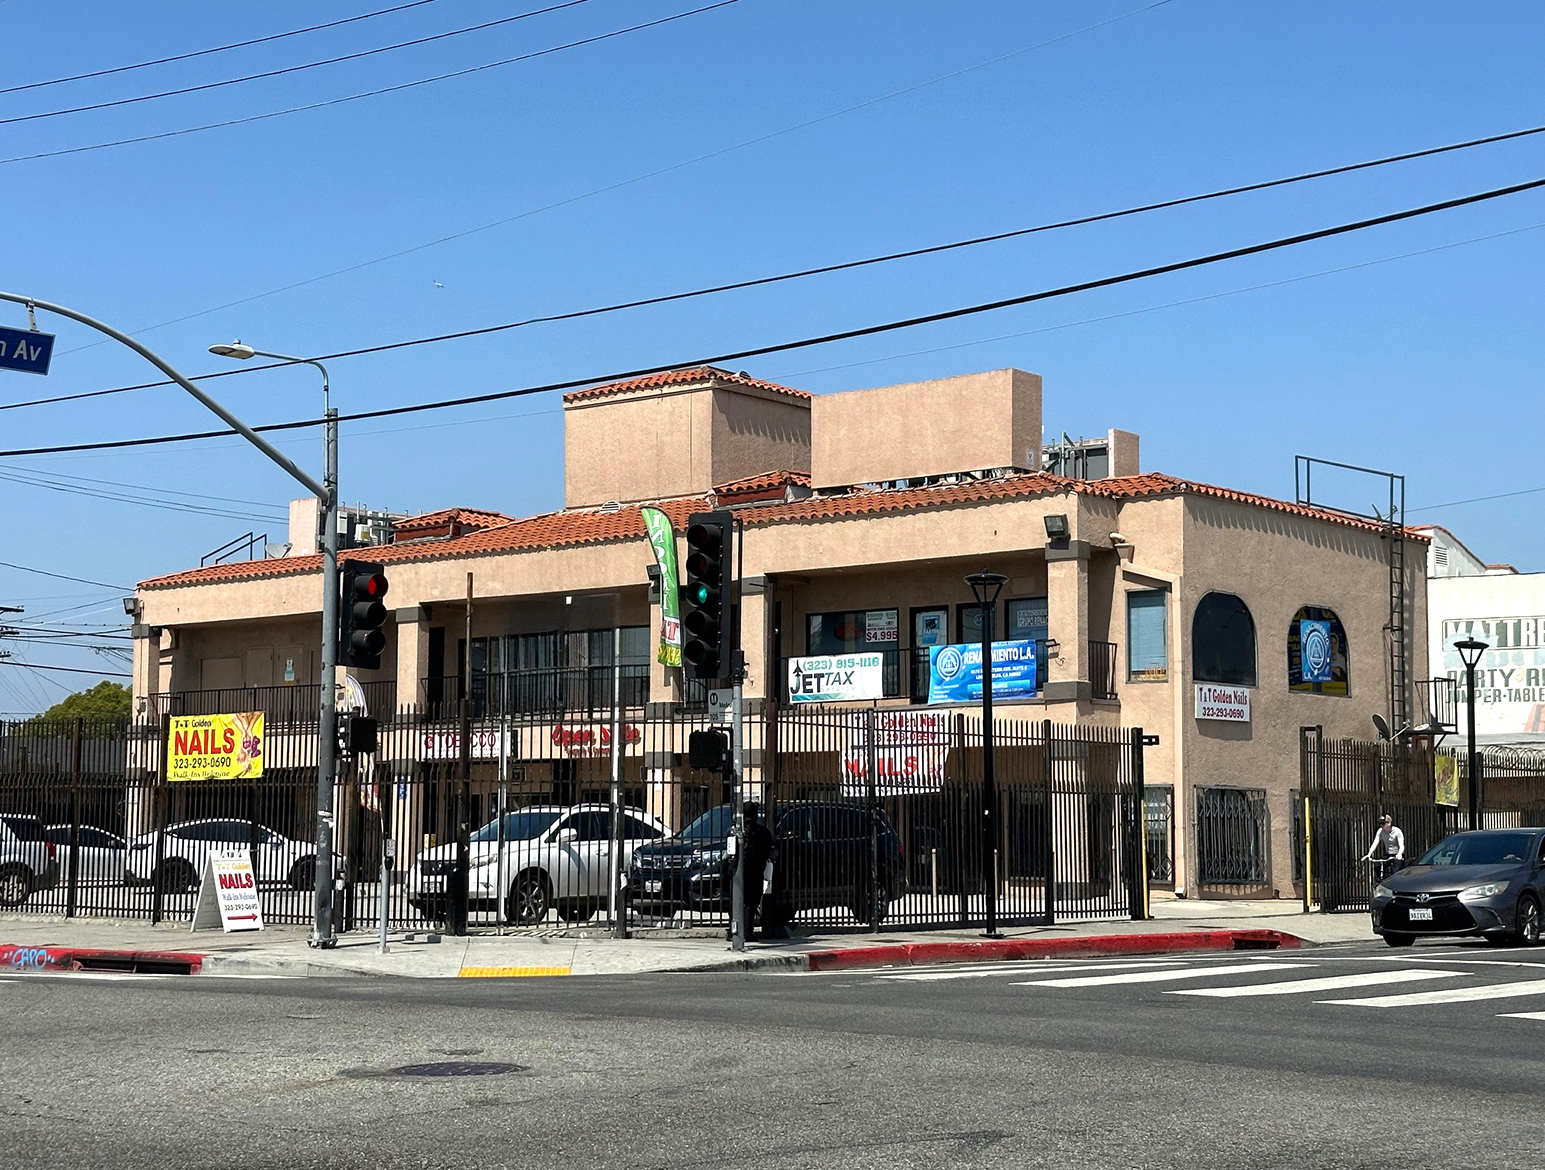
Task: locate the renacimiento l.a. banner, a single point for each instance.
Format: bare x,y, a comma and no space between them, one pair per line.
662,538
215,747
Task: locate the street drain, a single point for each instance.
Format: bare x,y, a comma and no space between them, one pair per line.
439,1068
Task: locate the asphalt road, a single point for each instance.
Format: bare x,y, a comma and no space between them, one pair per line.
1238,1060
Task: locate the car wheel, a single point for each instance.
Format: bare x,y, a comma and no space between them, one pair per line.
530,898
175,877
1399,940
15,885
1529,920
303,874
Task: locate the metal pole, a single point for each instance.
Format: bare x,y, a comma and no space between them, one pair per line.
504,778
989,780
614,910
1474,763
72,881
457,909
327,732
738,891
386,793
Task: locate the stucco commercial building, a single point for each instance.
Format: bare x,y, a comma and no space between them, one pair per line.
1497,605
1154,601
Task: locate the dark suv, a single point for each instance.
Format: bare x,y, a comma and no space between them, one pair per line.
821,859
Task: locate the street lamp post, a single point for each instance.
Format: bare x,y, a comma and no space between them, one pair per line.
327,728
986,587
1470,650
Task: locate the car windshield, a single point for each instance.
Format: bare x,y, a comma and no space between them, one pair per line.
518,826
713,825
1480,849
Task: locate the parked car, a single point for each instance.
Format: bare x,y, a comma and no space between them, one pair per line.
556,857
1490,883
277,858
821,860
28,862
103,856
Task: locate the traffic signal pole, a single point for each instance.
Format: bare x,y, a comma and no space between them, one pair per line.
739,927
327,493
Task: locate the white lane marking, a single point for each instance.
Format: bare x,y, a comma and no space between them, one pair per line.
1448,995
1160,976
1015,969
1322,983
1521,1015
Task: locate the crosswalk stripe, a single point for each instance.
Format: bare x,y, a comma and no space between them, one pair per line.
1448,995
1013,969
1521,1016
1320,983
1161,975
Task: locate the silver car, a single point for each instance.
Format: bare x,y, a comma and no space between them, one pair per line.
28,862
102,856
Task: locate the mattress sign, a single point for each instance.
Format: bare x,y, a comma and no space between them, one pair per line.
1226,704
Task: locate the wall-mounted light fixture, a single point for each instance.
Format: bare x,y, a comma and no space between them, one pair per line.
132,606
1057,527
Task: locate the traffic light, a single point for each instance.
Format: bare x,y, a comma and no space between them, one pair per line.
360,640
706,606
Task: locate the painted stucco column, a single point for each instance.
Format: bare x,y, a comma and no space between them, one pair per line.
412,654
1067,603
762,674
146,671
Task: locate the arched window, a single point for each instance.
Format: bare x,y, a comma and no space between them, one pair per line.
1223,641
1318,662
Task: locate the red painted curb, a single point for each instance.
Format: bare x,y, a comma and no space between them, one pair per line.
916,954
27,958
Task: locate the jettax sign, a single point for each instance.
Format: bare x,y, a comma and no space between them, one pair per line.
833,678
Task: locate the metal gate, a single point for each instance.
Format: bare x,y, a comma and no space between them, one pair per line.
1233,842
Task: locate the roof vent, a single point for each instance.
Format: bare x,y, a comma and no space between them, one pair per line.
611,506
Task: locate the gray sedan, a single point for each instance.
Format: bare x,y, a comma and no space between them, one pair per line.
1489,883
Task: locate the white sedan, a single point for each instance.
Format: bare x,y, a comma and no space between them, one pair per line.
554,857
277,859
102,857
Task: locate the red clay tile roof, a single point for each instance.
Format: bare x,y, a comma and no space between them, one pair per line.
582,526
467,517
769,485
682,378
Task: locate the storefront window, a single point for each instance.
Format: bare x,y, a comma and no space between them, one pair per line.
1223,641
1028,623
1317,656
851,631
1147,642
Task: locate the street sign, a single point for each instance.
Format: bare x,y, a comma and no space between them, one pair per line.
719,700
26,350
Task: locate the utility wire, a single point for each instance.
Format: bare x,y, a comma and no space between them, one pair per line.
827,338
148,488
931,249
66,669
60,576
144,502
208,85
354,97
294,32
675,166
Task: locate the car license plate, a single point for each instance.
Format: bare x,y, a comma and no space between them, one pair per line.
652,887
1421,914
434,885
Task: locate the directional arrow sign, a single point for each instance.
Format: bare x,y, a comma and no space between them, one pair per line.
26,350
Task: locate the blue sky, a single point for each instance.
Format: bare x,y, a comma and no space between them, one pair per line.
1413,347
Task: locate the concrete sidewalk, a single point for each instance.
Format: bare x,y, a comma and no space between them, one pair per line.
28,942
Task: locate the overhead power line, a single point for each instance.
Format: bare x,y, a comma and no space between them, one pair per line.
680,164
272,517
294,32
826,338
59,576
227,81
931,249
354,97
65,669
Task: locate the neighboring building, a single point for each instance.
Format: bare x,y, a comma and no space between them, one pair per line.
1155,601
1498,605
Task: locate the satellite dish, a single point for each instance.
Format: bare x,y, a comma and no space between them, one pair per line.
1381,726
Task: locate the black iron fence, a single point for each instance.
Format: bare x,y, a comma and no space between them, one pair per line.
1102,670
1348,785
874,817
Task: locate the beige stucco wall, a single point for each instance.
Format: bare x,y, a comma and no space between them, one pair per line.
652,445
917,429
1276,563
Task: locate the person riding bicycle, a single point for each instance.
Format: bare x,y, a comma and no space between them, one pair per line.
1389,846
